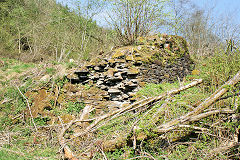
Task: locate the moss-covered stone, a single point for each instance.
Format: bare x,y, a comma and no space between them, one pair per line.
129,58
111,61
195,72
138,59
133,71
118,54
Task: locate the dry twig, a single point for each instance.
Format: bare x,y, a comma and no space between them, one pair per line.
104,155
67,151
29,108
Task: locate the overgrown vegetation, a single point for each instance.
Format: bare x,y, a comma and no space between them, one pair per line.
33,30
38,30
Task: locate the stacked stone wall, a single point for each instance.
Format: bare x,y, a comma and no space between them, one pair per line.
155,59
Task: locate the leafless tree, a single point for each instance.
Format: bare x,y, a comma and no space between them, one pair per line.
133,18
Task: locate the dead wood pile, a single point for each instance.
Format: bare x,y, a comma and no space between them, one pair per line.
184,121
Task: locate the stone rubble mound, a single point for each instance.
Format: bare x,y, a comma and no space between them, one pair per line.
155,59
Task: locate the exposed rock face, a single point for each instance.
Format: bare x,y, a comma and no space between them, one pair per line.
154,59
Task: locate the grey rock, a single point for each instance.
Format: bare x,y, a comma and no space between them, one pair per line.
125,96
113,78
96,68
115,99
130,84
81,72
134,81
99,83
139,48
45,78
103,87
114,91
118,74
124,70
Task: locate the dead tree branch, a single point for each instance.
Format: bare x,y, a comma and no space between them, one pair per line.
223,148
209,101
138,104
29,108
66,149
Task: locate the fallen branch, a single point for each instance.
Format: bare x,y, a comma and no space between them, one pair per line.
29,108
104,155
193,127
220,137
66,149
207,114
194,119
209,101
57,95
229,96
216,95
223,148
138,104
101,118
5,100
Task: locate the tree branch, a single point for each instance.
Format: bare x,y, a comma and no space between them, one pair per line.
209,101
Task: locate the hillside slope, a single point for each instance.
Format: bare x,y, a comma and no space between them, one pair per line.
42,30
42,112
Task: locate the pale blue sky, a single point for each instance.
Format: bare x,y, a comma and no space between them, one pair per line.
222,8
230,8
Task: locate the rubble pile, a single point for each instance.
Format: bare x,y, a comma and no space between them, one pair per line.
155,59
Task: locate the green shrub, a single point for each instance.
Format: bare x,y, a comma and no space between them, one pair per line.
218,68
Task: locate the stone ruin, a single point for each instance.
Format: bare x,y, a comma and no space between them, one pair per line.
115,79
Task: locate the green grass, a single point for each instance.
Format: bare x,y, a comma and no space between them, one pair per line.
74,107
21,153
14,66
152,89
215,71
51,71
20,68
6,155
